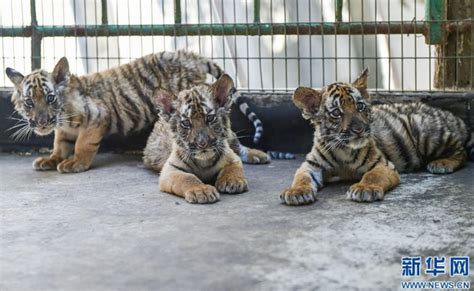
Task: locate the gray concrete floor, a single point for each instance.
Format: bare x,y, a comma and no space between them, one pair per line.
111,229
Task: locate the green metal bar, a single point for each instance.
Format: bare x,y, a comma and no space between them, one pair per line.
16,31
256,11
355,28
339,10
35,38
105,17
177,11
434,14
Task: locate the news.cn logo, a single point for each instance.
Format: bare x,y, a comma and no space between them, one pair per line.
456,266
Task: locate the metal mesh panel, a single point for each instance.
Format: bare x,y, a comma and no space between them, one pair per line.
270,45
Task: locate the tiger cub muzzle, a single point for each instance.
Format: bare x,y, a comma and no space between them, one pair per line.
43,125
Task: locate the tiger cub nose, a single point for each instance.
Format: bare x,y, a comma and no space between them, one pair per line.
202,144
42,121
357,129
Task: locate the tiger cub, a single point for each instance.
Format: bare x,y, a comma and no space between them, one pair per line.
354,140
193,146
82,110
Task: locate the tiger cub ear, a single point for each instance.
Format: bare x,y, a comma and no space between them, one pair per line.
61,72
14,76
222,89
308,100
164,103
361,83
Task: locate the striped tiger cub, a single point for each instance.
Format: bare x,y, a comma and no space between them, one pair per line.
82,110
356,141
193,146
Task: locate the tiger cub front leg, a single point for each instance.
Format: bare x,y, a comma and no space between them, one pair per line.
63,147
231,179
87,145
187,185
306,183
375,183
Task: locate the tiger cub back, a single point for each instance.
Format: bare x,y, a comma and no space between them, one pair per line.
124,92
413,135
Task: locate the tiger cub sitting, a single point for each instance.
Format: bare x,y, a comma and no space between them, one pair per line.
354,140
193,146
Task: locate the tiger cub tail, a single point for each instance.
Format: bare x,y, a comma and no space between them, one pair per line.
257,123
281,155
251,115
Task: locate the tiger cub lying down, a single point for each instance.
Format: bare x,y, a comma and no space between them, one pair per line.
82,110
354,140
193,146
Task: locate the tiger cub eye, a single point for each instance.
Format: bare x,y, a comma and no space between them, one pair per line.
336,113
361,106
186,123
211,118
28,102
51,98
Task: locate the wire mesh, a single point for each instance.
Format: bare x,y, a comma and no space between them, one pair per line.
265,45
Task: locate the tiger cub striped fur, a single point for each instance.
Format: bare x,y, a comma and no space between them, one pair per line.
193,146
354,140
82,110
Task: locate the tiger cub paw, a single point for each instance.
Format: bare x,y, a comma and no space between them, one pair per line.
300,195
443,166
257,157
202,194
361,192
72,166
46,163
232,185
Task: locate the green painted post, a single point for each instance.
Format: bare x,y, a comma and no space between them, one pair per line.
256,11
177,11
339,10
35,38
434,15
105,18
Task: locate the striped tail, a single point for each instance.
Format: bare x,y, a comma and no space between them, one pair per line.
245,109
280,155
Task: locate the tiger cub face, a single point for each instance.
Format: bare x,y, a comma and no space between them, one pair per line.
340,112
199,117
38,96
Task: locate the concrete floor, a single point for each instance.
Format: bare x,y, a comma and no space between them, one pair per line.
111,229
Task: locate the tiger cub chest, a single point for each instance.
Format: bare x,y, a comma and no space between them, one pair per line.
346,164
